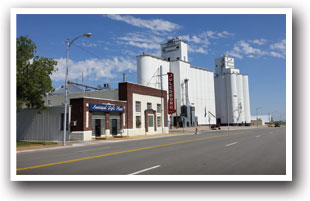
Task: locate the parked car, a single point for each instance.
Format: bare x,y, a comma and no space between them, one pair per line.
271,125
277,125
215,126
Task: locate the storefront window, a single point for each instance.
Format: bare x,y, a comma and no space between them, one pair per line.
150,121
138,121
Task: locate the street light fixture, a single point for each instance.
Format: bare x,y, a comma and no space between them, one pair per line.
69,43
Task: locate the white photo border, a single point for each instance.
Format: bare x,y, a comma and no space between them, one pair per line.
285,11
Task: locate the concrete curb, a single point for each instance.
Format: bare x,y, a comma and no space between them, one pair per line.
100,142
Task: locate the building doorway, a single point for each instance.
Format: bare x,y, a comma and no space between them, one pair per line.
98,124
114,127
98,127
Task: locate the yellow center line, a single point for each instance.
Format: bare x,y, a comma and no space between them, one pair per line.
126,151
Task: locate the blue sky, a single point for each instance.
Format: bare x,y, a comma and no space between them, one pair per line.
257,42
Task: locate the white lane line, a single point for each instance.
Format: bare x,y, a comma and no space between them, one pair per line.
93,149
257,135
231,144
145,170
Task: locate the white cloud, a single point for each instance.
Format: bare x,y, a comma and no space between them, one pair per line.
216,35
261,41
279,46
197,50
144,41
93,69
200,42
243,48
144,45
247,49
210,34
278,49
277,54
235,54
153,24
198,39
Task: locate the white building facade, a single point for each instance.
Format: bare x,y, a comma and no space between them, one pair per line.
231,93
193,86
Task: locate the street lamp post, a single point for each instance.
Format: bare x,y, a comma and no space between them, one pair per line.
68,44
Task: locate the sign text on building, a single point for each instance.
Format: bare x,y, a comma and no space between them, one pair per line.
106,107
171,108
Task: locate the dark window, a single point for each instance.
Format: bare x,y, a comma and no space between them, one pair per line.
168,58
158,108
138,106
138,121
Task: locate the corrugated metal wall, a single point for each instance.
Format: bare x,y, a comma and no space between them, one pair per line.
40,125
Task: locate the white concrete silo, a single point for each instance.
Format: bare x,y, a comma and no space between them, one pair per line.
232,98
235,93
148,71
246,98
241,117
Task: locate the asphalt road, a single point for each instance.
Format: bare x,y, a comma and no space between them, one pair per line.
259,151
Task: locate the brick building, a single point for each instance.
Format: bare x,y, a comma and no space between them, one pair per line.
132,109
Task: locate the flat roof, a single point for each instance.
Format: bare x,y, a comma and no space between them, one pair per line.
201,68
142,85
98,98
176,39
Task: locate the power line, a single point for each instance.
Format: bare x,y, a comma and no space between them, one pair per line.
89,52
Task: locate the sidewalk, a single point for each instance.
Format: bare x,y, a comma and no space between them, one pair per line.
94,141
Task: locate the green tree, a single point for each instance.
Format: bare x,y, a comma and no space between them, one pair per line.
32,75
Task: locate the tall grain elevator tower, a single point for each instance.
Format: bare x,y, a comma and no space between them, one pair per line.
193,86
231,93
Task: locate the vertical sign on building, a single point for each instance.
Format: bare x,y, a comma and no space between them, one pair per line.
171,108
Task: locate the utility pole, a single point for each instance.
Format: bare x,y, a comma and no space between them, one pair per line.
161,98
257,115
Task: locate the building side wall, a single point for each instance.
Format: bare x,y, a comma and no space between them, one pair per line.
202,94
40,125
